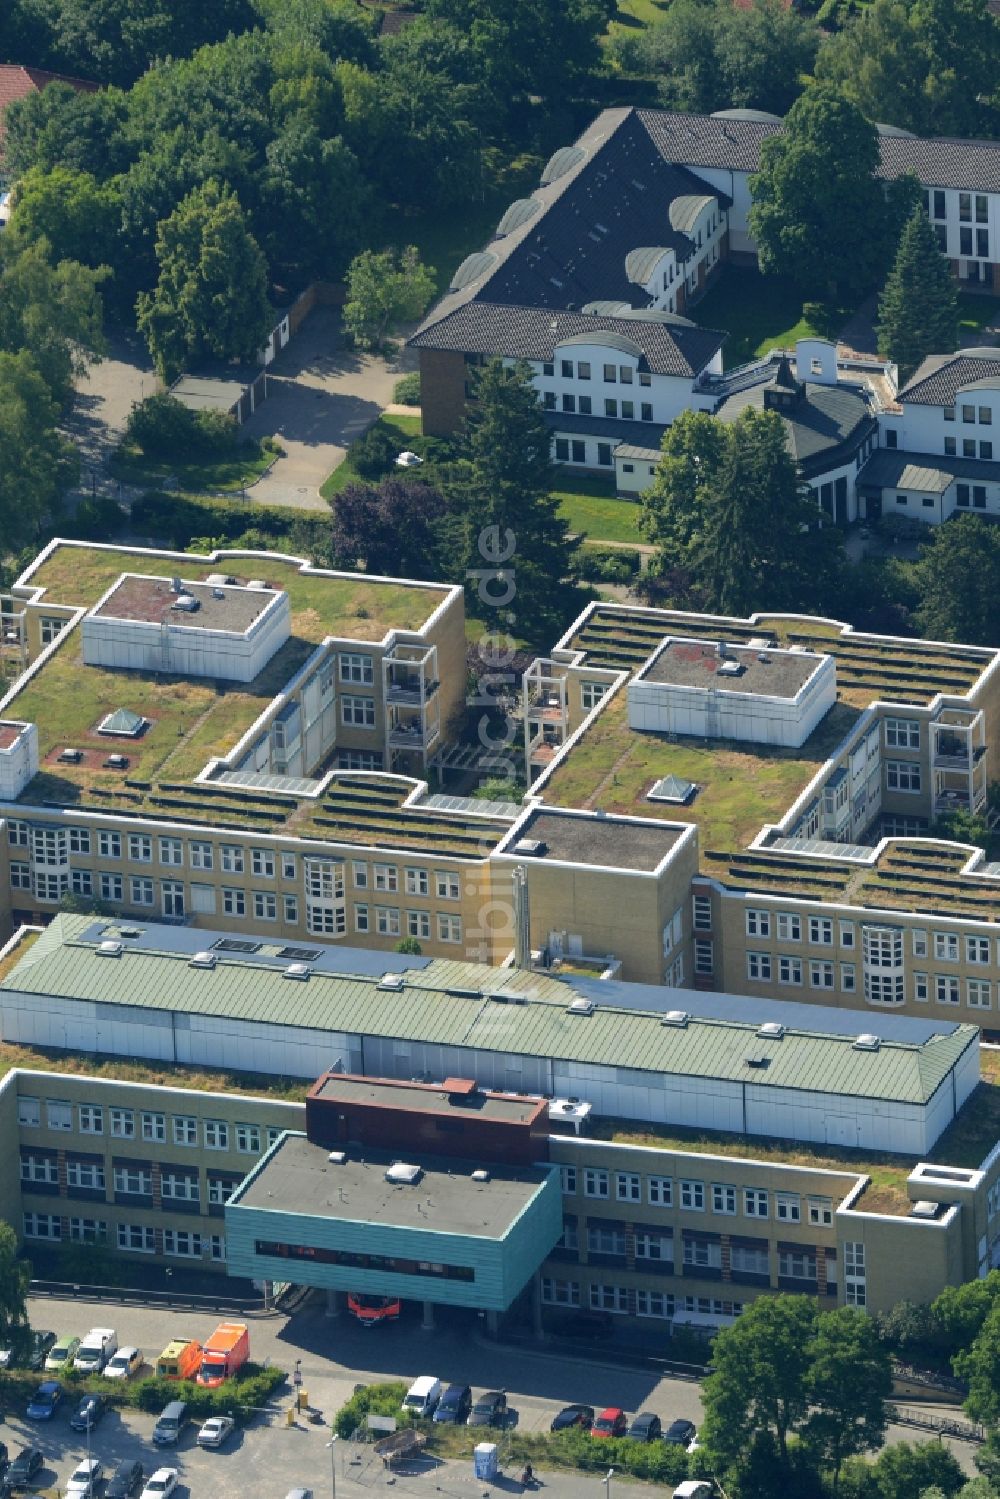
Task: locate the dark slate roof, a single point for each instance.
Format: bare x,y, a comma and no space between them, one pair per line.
827,417
888,468
944,162
646,435
678,348
941,376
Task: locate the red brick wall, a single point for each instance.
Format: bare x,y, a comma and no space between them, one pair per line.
442,391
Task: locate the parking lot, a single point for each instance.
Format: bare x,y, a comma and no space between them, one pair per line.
269,1458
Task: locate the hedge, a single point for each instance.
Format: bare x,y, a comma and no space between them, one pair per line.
235,1397
380,1399
175,521
605,564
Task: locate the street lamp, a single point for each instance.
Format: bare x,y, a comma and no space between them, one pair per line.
332,1448
606,1480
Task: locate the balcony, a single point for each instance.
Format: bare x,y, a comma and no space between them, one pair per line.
407,692
411,737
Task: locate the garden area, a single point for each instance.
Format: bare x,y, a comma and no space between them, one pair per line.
762,313
375,451
218,459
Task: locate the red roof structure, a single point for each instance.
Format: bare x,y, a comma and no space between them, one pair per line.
17,82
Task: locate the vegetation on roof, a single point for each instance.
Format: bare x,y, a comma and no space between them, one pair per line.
163,1074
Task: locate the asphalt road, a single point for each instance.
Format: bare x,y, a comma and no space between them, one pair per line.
334,1355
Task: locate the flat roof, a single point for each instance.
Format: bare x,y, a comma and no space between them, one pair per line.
10,733
154,601
598,840
503,1011
298,1177
424,1098
218,392
694,663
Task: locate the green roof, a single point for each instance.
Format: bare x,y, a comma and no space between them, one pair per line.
457,1004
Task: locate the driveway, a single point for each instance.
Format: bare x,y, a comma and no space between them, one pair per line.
321,396
104,397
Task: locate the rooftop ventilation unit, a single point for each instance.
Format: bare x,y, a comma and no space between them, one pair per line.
581,1006
924,1209
218,593
203,960
300,971
731,668
176,586
257,583
393,981
130,931
337,1157
867,1041
216,578
109,949
185,604
403,1174
530,848
458,993
758,1061
480,1176
759,643
676,1018
771,1030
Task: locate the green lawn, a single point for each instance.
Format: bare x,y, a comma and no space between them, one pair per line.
205,477
977,312
590,507
759,313
445,239
403,428
633,15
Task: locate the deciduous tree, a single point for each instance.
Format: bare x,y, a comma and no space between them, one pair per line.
315,199
918,308
958,580
53,310
849,1382
14,1277
385,288
37,463
78,216
391,527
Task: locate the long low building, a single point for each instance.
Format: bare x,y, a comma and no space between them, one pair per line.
751,1066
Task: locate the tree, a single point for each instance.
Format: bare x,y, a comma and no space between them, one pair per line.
708,57
114,41
391,529
958,580
814,178
903,1471
383,289
78,216
918,308
54,310
410,946
930,66
315,199
516,546
211,296
733,523
760,1382
61,126
979,1365
849,1380
38,464
15,1275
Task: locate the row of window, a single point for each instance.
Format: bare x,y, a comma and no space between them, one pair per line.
946,988
636,1302
694,1196
935,201
128,1124
970,495
576,452
761,968
584,406
136,1238
134,1181
612,373
969,448
788,926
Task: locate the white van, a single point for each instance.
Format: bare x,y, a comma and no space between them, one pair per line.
423,1395
100,1345
693,1488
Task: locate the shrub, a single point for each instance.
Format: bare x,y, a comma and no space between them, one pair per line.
605,564
174,521
406,391
238,1397
161,427
380,1399
95,519
374,452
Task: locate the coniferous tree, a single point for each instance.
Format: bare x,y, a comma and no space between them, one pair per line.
918,308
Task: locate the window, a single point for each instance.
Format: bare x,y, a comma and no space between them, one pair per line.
42,1226
787,1207
693,1196
965,241
200,854
583,370
701,913
562,446
848,978
755,1202
610,407
962,495
591,694
262,863
702,1254
88,1230
789,927
965,208
20,876
949,447
652,1246
977,949
361,919
153,1126
220,1189
608,1298
248,1139
387,921
789,970
979,490
919,942
645,378
660,1191
758,923
291,905
418,924
603,1238
855,1291
91,1119
288,866
40,1168
140,848
560,1292
797,1264
216,1134
17,834
134,1181
234,902
610,374
137,1238
847,934
628,411
386,877
946,986
902,733
446,884
986,452
548,367
585,407
58,1115
112,887
625,374
172,897
359,711
759,966
604,454
86,1176
182,1243
141,892
704,955
723,1198
595,1182
109,845
628,1186
891,438
946,946
821,931
360,876
978,992
417,882
902,775
982,209
185,1129
921,987
171,851
820,1211
569,403
820,975
265,906
654,1304
29,1113
968,447
567,1177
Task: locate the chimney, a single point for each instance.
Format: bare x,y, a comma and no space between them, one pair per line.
522,919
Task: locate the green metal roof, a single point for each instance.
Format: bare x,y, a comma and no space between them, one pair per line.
427,1008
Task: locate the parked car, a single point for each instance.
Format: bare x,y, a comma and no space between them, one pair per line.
489,1410
125,1482
680,1432
24,1467
573,1415
646,1427
454,1405
86,1479
30,1353
63,1351
161,1484
612,1422
422,1396
125,1363
170,1424
215,1431
91,1410
45,1401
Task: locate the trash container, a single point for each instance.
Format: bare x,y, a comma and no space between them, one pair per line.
486,1463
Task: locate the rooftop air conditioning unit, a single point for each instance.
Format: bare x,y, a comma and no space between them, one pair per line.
867,1041
677,1018
392,981
203,960
300,971
581,1006
257,583
771,1030
403,1174
530,848
924,1209
186,604
731,669
337,1157
458,993
480,1176
109,949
